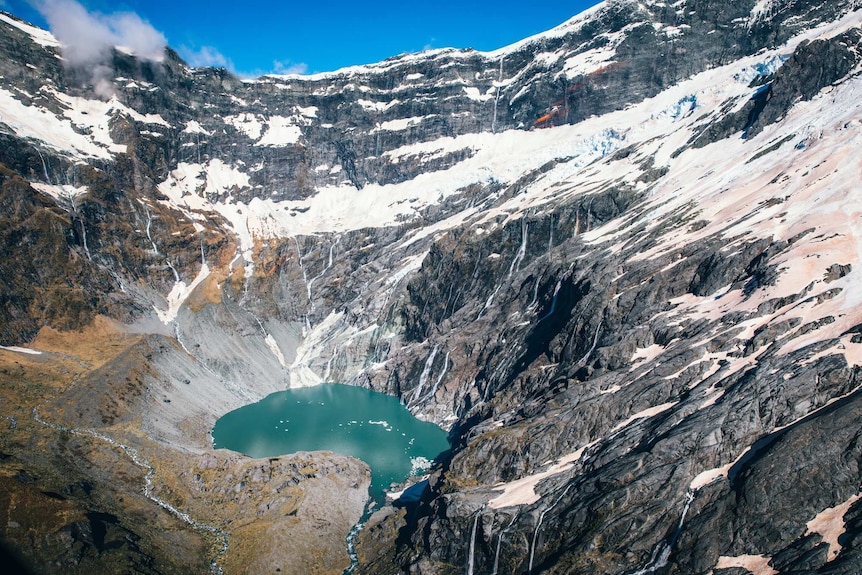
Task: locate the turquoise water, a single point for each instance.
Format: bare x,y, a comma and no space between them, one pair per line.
354,421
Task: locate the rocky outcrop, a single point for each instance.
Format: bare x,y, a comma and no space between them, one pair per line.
309,500
812,67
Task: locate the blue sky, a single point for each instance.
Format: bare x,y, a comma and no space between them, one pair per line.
256,36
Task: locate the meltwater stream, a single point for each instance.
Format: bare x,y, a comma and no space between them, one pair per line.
370,426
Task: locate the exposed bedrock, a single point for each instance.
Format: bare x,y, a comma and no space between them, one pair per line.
617,262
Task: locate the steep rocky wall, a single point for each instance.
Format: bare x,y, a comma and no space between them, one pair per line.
672,433
342,127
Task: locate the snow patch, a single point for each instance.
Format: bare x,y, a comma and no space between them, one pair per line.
301,372
179,294
851,351
276,351
547,59
56,132
754,564
280,132
761,69
647,354
830,525
201,182
475,94
248,124
649,412
370,106
710,475
399,124
41,37
62,193
588,62
192,127
523,491
413,263
17,349
761,11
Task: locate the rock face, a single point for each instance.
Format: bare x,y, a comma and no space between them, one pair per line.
618,261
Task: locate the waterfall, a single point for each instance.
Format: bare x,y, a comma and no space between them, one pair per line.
490,300
661,554
44,165
310,282
472,553
440,377
84,238
497,96
539,525
535,299
170,265
149,235
426,371
522,250
500,543
302,268
553,302
304,279
513,267
328,371
155,248
583,361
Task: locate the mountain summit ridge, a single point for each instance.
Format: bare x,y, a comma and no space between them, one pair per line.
617,261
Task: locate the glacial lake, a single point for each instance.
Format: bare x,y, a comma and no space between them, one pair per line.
354,421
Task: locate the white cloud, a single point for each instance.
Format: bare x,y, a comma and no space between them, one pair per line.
206,56
87,38
288,67
138,35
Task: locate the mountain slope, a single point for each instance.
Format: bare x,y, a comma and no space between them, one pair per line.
617,260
